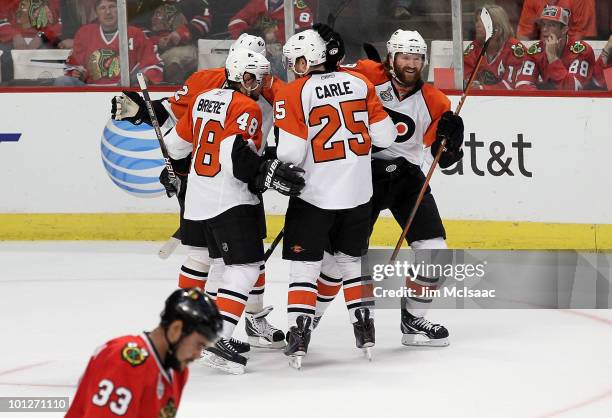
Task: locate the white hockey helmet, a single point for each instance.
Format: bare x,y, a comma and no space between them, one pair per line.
307,44
406,42
242,61
250,42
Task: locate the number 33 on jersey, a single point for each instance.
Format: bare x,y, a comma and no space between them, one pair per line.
327,125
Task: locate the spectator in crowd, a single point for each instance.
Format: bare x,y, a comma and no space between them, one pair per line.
268,18
582,21
75,13
603,63
557,61
174,27
504,57
95,56
27,24
402,9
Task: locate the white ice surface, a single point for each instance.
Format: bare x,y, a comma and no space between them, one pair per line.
60,300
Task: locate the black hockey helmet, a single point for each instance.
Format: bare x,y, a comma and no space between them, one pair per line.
196,310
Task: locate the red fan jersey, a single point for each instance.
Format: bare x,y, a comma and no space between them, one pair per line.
500,72
257,15
598,72
98,58
126,378
29,18
572,71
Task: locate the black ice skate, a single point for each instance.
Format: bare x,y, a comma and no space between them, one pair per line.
418,331
224,357
298,338
364,331
240,347
261,333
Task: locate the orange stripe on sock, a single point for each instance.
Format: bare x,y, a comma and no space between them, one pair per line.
230,306
327,290
302,297
261,280
187,282
358,292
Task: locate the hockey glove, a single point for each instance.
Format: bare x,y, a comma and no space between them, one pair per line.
334,46
451,128
130,107
283,177
172,185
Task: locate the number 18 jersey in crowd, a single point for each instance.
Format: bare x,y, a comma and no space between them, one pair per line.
213,121
327,124
416,116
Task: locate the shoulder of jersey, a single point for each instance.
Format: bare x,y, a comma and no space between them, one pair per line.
578,47
132,350
518,49
372,70
214,77
432,93
535,48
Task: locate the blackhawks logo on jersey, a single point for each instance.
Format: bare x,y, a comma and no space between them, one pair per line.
103,63
578,47
134,354
518,50
167,17
34,14
300,4
535,48
168,411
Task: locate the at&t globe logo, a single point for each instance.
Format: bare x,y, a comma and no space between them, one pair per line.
132,158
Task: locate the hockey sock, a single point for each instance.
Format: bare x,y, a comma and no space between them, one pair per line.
194,271
328,284
302,295
215,277
233,294
358,289
422,285
255,302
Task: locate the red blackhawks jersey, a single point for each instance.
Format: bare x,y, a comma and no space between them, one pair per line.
98,57
500,72
214,120
28,18
572,71
258,15
415,117
598,72
126,378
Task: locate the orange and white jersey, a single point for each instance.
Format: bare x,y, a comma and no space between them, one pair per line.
208,130
327,125
215,78
416,116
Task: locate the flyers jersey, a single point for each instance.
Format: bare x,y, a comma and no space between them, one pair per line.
208,130
215,78
126,378
416,116
499,73
572,71
327,125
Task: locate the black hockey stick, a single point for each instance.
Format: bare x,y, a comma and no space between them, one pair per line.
371,52
274,244
488,24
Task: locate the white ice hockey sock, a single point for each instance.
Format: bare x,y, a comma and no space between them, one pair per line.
358,289
238,279
422,285
302,295
194,271
215,277
256,295
328,284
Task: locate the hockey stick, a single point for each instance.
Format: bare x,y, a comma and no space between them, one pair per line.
488,24
168,248
274,244
371,52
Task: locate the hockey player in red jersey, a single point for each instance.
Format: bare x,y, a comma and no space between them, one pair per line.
222,129
327,123
422,117
138,376
556,61
195,268
504,57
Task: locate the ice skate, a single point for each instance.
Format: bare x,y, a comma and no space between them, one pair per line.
224,357
365,337
261,333
298,338
241,347
418,331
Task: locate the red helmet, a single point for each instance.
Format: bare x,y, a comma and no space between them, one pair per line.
555,14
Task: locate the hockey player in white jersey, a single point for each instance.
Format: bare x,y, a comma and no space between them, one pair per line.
195,269
327,124
422,116
222,129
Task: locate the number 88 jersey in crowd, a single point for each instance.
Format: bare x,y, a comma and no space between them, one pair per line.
214,121
416,117
327,124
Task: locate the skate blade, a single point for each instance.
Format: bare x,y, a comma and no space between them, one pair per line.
418,340
216,362
295,361
367,352
168,248
261,342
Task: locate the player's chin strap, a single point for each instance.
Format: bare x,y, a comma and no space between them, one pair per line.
171,361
